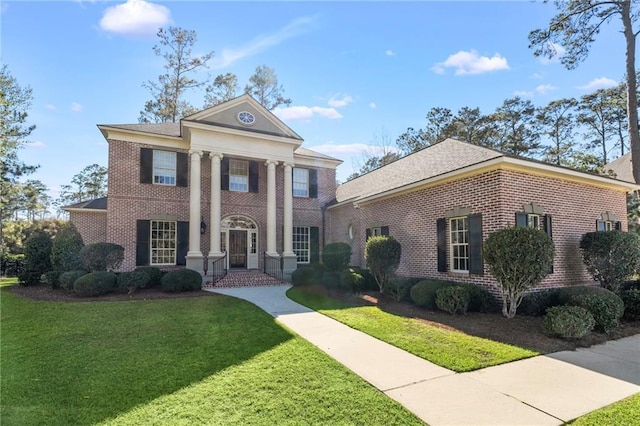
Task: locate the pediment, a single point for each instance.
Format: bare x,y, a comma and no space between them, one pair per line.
229,115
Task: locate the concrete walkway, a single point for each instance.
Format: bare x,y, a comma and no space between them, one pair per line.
545,390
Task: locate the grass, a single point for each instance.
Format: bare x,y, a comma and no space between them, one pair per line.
207,360
450,349
622,413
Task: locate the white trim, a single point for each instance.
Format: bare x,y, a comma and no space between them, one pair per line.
315,162
451,257
239,132
135,136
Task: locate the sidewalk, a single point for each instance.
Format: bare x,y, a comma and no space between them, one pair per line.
545,390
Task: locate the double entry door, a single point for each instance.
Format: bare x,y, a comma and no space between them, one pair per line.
242,249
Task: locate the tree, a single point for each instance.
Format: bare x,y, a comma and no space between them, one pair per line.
596,114
381,153
37,254
611,257
576,26
15,102
518,258
557,122
65,250
34,199
438,128
515,127
263,86
223,88
88,184
471,126
167,104
382,254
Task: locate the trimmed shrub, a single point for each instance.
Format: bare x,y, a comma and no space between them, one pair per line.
383,257
352,280
37,257
181,280
605,306
52,277
518,258
68,278
369,283
131,281
65,250
102,256
305,275
453,299
480,300
631,300
331,279
535,304
424,292
398,288
336,256
95,284
154,274
611,256
568,322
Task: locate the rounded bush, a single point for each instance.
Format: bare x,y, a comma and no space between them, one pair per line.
631,300
131,281
336,256
102,256
605,306
154,274
480,300
352,280
181,280
68,278
305,275
331,279
65,250
453,299
398,288
95,284
536,304
37,257
424,292
568,322
611,256
52,278
382,254
369,283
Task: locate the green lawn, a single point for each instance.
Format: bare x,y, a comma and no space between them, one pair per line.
208,360
450,349
623,413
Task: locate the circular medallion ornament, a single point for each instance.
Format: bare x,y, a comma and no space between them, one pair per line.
245,117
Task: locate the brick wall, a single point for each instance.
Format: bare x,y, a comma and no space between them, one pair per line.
497,195
91,225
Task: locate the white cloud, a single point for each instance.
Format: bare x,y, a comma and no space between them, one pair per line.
373,105
331,148
537,75
543,89
471,63
261,43
339,103
76,107
51,107
305,113
599,83
523,94
135,17
390,52
559,52
35,144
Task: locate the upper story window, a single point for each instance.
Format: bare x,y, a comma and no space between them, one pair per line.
300,182
164,167
238,175
533,221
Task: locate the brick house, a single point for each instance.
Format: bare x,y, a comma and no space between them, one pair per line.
230,179
234,182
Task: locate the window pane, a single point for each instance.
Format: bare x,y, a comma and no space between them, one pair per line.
164,167
459,244
301,243
300,182
163,242
238,175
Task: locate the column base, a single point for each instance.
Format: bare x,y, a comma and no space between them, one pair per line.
289,264
195,262
273,254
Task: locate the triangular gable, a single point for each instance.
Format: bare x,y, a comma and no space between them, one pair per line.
227,113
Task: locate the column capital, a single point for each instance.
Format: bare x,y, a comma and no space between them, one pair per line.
216,155
271,162
288,164
195,151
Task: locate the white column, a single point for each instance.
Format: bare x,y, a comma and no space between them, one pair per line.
271,207
214,224
194,206
288,210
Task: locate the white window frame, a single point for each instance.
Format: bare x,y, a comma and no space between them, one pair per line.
300,182
302,243
164,167
534,221
163,242
609,225
238,175
459,241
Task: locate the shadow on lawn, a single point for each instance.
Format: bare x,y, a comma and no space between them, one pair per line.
83,363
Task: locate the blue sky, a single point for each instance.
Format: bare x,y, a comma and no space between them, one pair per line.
354,70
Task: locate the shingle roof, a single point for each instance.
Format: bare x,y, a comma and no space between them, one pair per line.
95,204
430,162
166,129
622,168
310,153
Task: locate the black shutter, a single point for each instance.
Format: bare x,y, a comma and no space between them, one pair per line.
367,235
314,244
224,174
384,231
600,225
618,226
142,242
182,245
475,244
521,220
253,176
146,165
441,227
182,169
547,225
313,183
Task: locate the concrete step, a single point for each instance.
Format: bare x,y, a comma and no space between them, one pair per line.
242,278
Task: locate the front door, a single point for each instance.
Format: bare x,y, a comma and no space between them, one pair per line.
237,249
